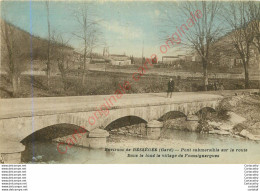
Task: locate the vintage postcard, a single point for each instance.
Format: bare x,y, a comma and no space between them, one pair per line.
113,82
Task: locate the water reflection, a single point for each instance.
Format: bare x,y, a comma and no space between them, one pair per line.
46,152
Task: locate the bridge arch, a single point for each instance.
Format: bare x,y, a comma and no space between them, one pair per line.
172,115
50,142
209,109
138,113
205,112
28,125
186,109
195,108
124,121
53,131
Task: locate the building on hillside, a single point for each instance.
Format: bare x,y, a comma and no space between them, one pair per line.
169,59
115,59
94,59
172,59
225,53
182,57
120,60
230,58
175,61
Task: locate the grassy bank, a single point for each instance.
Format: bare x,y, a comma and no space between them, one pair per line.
101,83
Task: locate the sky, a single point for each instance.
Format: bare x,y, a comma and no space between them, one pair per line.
125,26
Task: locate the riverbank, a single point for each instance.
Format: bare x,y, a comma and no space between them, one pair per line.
237,116
104,83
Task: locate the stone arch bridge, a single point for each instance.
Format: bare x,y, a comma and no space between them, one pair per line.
21,117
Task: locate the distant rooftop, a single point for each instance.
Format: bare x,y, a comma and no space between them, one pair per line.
118,55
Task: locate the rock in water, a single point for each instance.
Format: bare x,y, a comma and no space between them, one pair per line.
249,135
217,124
235,119
219,132
225,126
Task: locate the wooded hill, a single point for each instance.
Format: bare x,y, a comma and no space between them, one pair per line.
23,46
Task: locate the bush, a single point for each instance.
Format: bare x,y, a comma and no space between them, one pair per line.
203,127
194,87
223,108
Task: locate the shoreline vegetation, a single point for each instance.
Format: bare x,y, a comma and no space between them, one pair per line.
106,83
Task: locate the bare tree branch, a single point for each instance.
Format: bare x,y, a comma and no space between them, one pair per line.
88,33
242,35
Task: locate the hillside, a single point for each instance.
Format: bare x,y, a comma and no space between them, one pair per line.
21,42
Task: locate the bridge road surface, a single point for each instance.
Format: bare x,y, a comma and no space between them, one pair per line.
27,107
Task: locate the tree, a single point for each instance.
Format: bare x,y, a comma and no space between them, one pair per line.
205,32
241,35
15,53
48,63
87,33
197,33
254,11
62,55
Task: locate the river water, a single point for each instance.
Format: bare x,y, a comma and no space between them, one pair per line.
245,151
